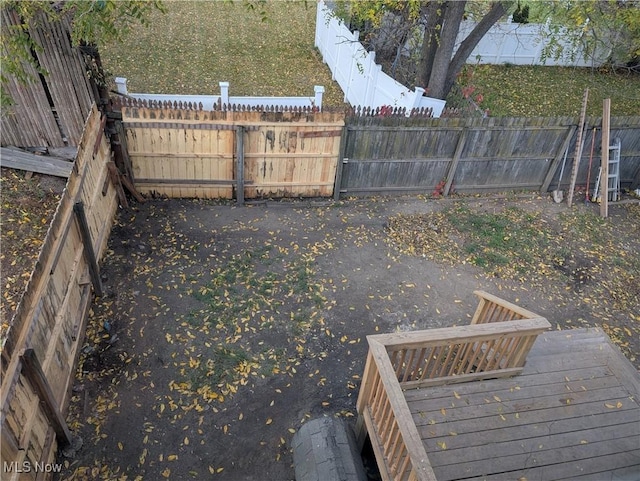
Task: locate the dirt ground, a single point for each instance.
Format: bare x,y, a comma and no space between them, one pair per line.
225,328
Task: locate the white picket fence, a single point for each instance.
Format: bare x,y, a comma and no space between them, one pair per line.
362,80
209,101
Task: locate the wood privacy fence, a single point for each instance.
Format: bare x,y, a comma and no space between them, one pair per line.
183,151
50,110
42,345
187,152
395,155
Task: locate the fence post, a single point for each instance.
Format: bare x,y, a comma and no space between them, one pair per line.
90,255
340,165
319,91
224,92
33,372
240,164
453,166
121,85
418,92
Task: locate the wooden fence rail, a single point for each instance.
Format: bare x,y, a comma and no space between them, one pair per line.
40,350
495,345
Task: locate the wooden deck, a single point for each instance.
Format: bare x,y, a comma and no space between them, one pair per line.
501,399
573,413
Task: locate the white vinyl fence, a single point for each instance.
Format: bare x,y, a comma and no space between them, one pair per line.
209,101
525,44
362,80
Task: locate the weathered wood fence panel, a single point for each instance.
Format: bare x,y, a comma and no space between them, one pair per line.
48,326
180,153
395,155
50,110
295,156
183,152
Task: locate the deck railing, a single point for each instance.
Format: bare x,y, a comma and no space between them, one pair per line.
496,344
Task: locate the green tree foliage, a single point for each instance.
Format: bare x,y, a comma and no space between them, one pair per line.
438,21
610,26
92,21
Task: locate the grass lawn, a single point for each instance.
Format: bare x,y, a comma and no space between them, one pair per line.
197,44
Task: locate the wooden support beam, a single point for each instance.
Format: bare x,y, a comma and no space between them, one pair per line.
131,188
33,372
240,164
89,253
453,166
553,168
604,175
96,146
114,174
579,145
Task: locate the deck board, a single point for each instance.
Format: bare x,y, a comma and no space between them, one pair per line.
573,412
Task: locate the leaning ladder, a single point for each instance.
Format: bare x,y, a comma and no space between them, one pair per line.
613,181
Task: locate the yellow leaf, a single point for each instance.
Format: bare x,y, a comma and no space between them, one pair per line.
442,445
443,411
497,398
269,421
457,396
172,457
186,441
166,473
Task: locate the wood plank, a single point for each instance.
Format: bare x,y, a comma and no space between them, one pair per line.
548,464
43,164
533,442
520,387
470,333
601,465
575,400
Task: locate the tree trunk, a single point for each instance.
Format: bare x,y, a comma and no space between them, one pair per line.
450,27
498,9
430,41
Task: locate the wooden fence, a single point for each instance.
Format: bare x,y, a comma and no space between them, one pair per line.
396,155
40,350
188,152
50,110
184,151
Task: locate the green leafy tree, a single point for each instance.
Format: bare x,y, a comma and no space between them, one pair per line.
438,21
596,26
92,22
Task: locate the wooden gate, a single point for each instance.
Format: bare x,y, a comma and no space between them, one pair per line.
190,153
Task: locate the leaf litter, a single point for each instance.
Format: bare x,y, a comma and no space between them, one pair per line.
241,324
